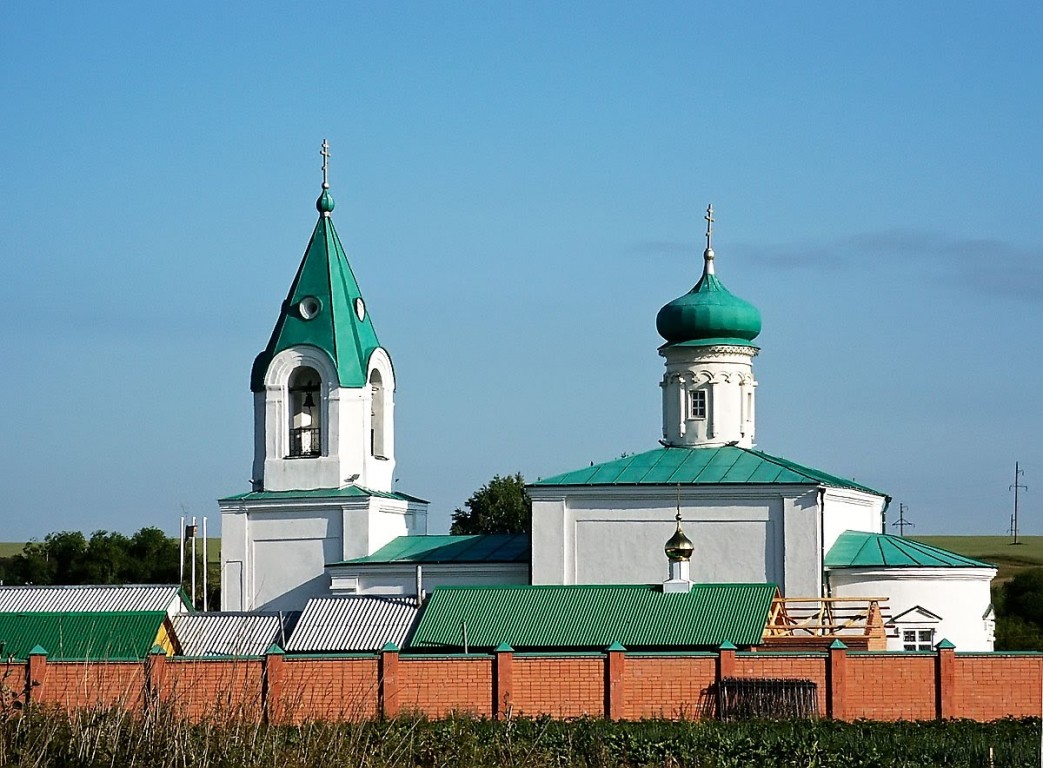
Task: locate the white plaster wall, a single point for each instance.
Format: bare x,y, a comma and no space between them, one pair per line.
959,596
275,552
400,579
600,535
850,510
726,373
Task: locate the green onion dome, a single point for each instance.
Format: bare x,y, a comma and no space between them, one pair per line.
709,314
325,202
679,546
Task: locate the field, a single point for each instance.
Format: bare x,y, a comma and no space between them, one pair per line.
213,554
997,550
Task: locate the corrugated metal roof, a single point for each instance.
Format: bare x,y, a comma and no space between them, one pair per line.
482,548
82,635
701,466
129,597
351,491
592,617
857,549
352,623
230,634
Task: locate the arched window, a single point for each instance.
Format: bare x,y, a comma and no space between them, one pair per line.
376,428
305,413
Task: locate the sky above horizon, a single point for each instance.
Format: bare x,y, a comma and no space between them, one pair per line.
520,188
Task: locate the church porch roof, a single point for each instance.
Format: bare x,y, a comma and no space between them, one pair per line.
701,466
581,617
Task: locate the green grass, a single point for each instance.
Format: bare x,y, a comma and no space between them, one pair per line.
1009,558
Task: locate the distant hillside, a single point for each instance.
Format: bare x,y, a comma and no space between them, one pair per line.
997,550
213,552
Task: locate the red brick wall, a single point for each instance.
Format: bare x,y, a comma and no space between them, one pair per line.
883,686
330,689
811,667
212,688
75,685
439,686
891,686
669,686
990,687
560,686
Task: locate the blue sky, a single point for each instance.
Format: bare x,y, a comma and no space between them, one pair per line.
520,187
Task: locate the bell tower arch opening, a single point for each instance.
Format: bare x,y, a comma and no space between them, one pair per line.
305,413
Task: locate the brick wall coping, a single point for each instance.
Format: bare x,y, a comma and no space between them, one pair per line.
332,656
455,656
998,654
673,654
88,660
777,654
214,657
559,654
896,654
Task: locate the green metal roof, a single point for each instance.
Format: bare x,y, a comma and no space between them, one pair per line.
857,549
592,617
701,466
322,493
86,635
481,548
336,327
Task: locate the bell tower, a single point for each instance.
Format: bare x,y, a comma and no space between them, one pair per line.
324,407
708,387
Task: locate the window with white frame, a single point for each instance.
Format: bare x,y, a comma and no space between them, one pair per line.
697,404
917,639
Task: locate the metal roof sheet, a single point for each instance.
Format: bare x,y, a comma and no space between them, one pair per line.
858,549
480,548
130,597
81,635
351,491
230,634
352,623
701,466
592,617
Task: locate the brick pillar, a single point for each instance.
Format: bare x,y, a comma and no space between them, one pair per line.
503,681
945,680
615,664
35,674
389,680
725,668
155,670
271,688
836,698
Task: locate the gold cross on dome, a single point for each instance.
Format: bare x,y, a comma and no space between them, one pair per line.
709,224
325,152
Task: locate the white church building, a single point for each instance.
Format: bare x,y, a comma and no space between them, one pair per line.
324,519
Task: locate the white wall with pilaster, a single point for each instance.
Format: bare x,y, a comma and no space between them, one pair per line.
725,374
400,578
615,534
846,509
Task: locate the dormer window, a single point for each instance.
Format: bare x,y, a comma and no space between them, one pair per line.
305,414
697,404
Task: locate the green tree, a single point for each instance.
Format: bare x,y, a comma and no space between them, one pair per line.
500,506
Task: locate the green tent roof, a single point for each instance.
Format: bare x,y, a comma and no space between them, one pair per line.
338,323
857,549
593,617
87,635
701,466
321,493
481,548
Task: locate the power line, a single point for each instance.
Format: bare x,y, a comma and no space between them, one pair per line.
1016,486
902,523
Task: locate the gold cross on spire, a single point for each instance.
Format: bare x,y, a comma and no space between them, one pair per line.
325,152
709,226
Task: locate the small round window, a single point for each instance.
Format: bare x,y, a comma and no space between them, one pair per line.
309,307
360,309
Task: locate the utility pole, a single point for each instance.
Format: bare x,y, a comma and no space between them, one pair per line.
901,522
1016,486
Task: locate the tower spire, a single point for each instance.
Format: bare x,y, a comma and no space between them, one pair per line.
708,253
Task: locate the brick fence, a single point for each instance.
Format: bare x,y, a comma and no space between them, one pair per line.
615,684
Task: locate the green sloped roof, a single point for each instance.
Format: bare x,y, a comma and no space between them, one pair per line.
482,548
321,493
86,635
701,466
592,617
857,549
326,275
